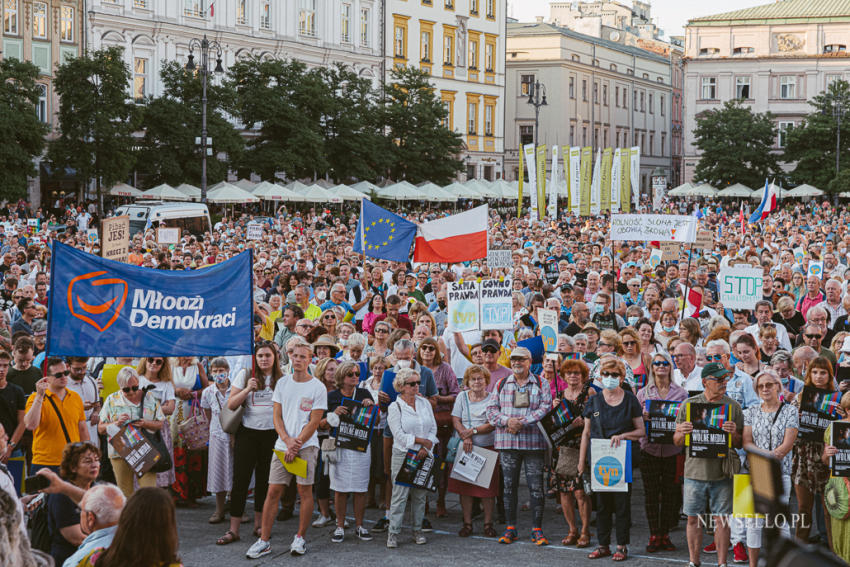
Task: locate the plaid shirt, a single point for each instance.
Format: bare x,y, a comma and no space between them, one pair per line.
501,409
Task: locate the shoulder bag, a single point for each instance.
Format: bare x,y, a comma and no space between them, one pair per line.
231,419
164,462
195,431
455,441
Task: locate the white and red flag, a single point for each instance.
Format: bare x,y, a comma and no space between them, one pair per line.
457,238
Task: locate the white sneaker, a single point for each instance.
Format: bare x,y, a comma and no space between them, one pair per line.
392,541
259,549
363,534
299,546
419,538
339,535
322,521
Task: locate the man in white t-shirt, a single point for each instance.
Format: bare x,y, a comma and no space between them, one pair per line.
299,402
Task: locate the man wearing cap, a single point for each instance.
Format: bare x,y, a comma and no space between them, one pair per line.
412,290
705,480
491,350
518,402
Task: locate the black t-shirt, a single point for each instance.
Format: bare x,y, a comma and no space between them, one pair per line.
12,400
26,379
62,512
335,397
606,420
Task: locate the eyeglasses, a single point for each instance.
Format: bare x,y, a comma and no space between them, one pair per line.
490,350
416,383
610,374
89,462
661,363
129,389
605,344
155,361
812,336
629,343
713,357
767,385
328,316
351,374
427,348
61,374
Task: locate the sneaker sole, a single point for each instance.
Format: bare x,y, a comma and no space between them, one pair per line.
261,554
296,552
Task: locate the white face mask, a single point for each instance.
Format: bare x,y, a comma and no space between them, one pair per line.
404,364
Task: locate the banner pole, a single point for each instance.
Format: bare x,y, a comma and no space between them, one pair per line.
687,283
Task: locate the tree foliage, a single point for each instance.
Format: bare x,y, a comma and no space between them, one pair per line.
736,146
96,118
20,129
812,144
172,121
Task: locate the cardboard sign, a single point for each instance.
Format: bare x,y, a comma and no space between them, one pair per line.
135,449
254,231
663,228
707,440
168,235
669,251
610,467
463,306
496,304
91,235
475,468
815,269
548,328
662,421
499,259
355,428
740,287
704,241
655,258
116,238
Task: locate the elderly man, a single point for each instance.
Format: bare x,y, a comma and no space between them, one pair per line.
100,509
687,374
833,304
338,295
764,316
813,336
739,385
812,297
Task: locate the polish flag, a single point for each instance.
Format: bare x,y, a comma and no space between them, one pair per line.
457,238
693,304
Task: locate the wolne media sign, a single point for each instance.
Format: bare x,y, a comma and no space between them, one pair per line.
100,307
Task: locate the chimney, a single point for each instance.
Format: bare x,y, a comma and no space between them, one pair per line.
539,19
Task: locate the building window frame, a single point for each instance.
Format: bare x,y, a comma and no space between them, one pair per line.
307,18
782,132
345,23
67,33
743,87
708,88
788,87
11,17
141,78
41,108
39,20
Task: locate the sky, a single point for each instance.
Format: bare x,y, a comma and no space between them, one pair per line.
670,15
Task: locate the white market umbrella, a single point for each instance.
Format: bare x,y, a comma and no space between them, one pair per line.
461,191
296,187
365,187
680,191
507,190
346,193
272,192
226,194
165,192
704,190
189,190
482,189
324,183
401,191
316,194
737,190
435,193
245,184
124,190
803,190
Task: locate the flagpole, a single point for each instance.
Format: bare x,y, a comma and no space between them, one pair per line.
687,282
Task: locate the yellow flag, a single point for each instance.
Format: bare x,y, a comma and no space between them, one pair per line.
605,192
586,173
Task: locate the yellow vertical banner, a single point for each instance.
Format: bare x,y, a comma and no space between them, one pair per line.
625,181
565,154
541,181
520,182
586,173
605,199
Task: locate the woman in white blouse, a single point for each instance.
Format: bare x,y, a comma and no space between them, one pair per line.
412,423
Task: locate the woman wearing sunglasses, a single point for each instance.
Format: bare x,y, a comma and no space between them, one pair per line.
121,407
658,461
156,371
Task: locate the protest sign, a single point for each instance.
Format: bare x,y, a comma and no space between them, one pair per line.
740,287
418,472
475,467
655,258
463,302
669,251
610,467
91,235
254,231
704,240
663,228
817,409
707,440
355,427
135,449
548,328
662,421
799,254
167,235
32,226
499,259
496,304
839,463
104,308
116,238
558,426
815,269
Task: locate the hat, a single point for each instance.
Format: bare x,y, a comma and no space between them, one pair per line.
846,346
519,352
328,341
715,370
591,327
566,287
495,344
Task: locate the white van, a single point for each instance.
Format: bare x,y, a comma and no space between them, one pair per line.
194,217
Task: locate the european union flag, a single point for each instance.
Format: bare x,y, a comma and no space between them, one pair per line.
382,234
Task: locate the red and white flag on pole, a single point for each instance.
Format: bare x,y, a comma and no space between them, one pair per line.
743,223
457,238
212,9
693,303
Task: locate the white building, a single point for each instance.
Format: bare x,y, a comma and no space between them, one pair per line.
317,32
773,58
461,43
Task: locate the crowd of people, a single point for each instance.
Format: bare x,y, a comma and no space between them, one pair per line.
329,324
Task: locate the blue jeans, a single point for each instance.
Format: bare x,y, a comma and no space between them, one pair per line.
512,461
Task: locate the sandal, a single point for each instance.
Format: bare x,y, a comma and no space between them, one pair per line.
216,518
227,538
465,531
621,555
489,531
601,551
571,539
583,541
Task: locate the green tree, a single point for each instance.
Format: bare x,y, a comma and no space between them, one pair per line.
21,130
96,119
173,121
812,144
281,100
736,146
421,147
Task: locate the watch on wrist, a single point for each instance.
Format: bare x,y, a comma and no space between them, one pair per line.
475,431
12,444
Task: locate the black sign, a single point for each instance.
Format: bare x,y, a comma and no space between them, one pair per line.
662,421
817,409
355,428
418,473
558,426
840,462
708,440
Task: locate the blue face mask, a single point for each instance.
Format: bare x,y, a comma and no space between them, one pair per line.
669,329
598,308
733,360
633,321
610,383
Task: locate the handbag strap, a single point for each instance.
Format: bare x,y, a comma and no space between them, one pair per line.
468,411
772,423
59,415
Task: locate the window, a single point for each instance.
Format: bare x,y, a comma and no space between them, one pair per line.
10,17
66,23
266,14
742,88
584,135
617,97
473,7
425,46
39,20
140,78
612,67
364,27
473,118
41,107
634,99
605,136
488,120
595,93
605,95
193,8
709,88
491,9
661,100
489,57
447,107
584,90
572,134
473,54
307,18
572,87
526,135
835,48
399,42
140,4
630,71
526,84
788,87
449,5
709,51
448,48
651,109
625,97
241,12
652,143
783,133
743,50
576,58
663,143
345,24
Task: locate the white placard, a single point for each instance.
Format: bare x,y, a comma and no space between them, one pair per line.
485,474
168,235
463,306
91,235
499,259
548,329
254,231
815,269
496,304
610,467
740,287
664,228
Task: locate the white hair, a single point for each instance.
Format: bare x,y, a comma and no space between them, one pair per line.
124,375
105,501
356,340
403,376
719,343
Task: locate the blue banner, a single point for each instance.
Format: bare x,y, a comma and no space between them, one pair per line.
100,307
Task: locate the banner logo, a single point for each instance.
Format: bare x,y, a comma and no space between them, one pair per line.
85,311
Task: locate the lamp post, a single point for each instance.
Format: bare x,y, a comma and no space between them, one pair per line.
204,46
838,114
537,98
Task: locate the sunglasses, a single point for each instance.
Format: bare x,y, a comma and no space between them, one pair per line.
156,361
61,374
427,348
416,383
129,389
629,343
610,374
490,350
661,363
812,336
714,357
351,374
767,385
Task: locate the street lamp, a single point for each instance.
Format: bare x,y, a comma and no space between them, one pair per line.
837,113
537,98
204,46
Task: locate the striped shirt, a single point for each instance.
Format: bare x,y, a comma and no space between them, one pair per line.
501,409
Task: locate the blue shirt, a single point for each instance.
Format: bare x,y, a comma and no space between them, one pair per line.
740,389
96,539
329,304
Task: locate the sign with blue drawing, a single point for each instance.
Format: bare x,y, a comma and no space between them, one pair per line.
496,304
464,304
816,269
610,467
549,329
